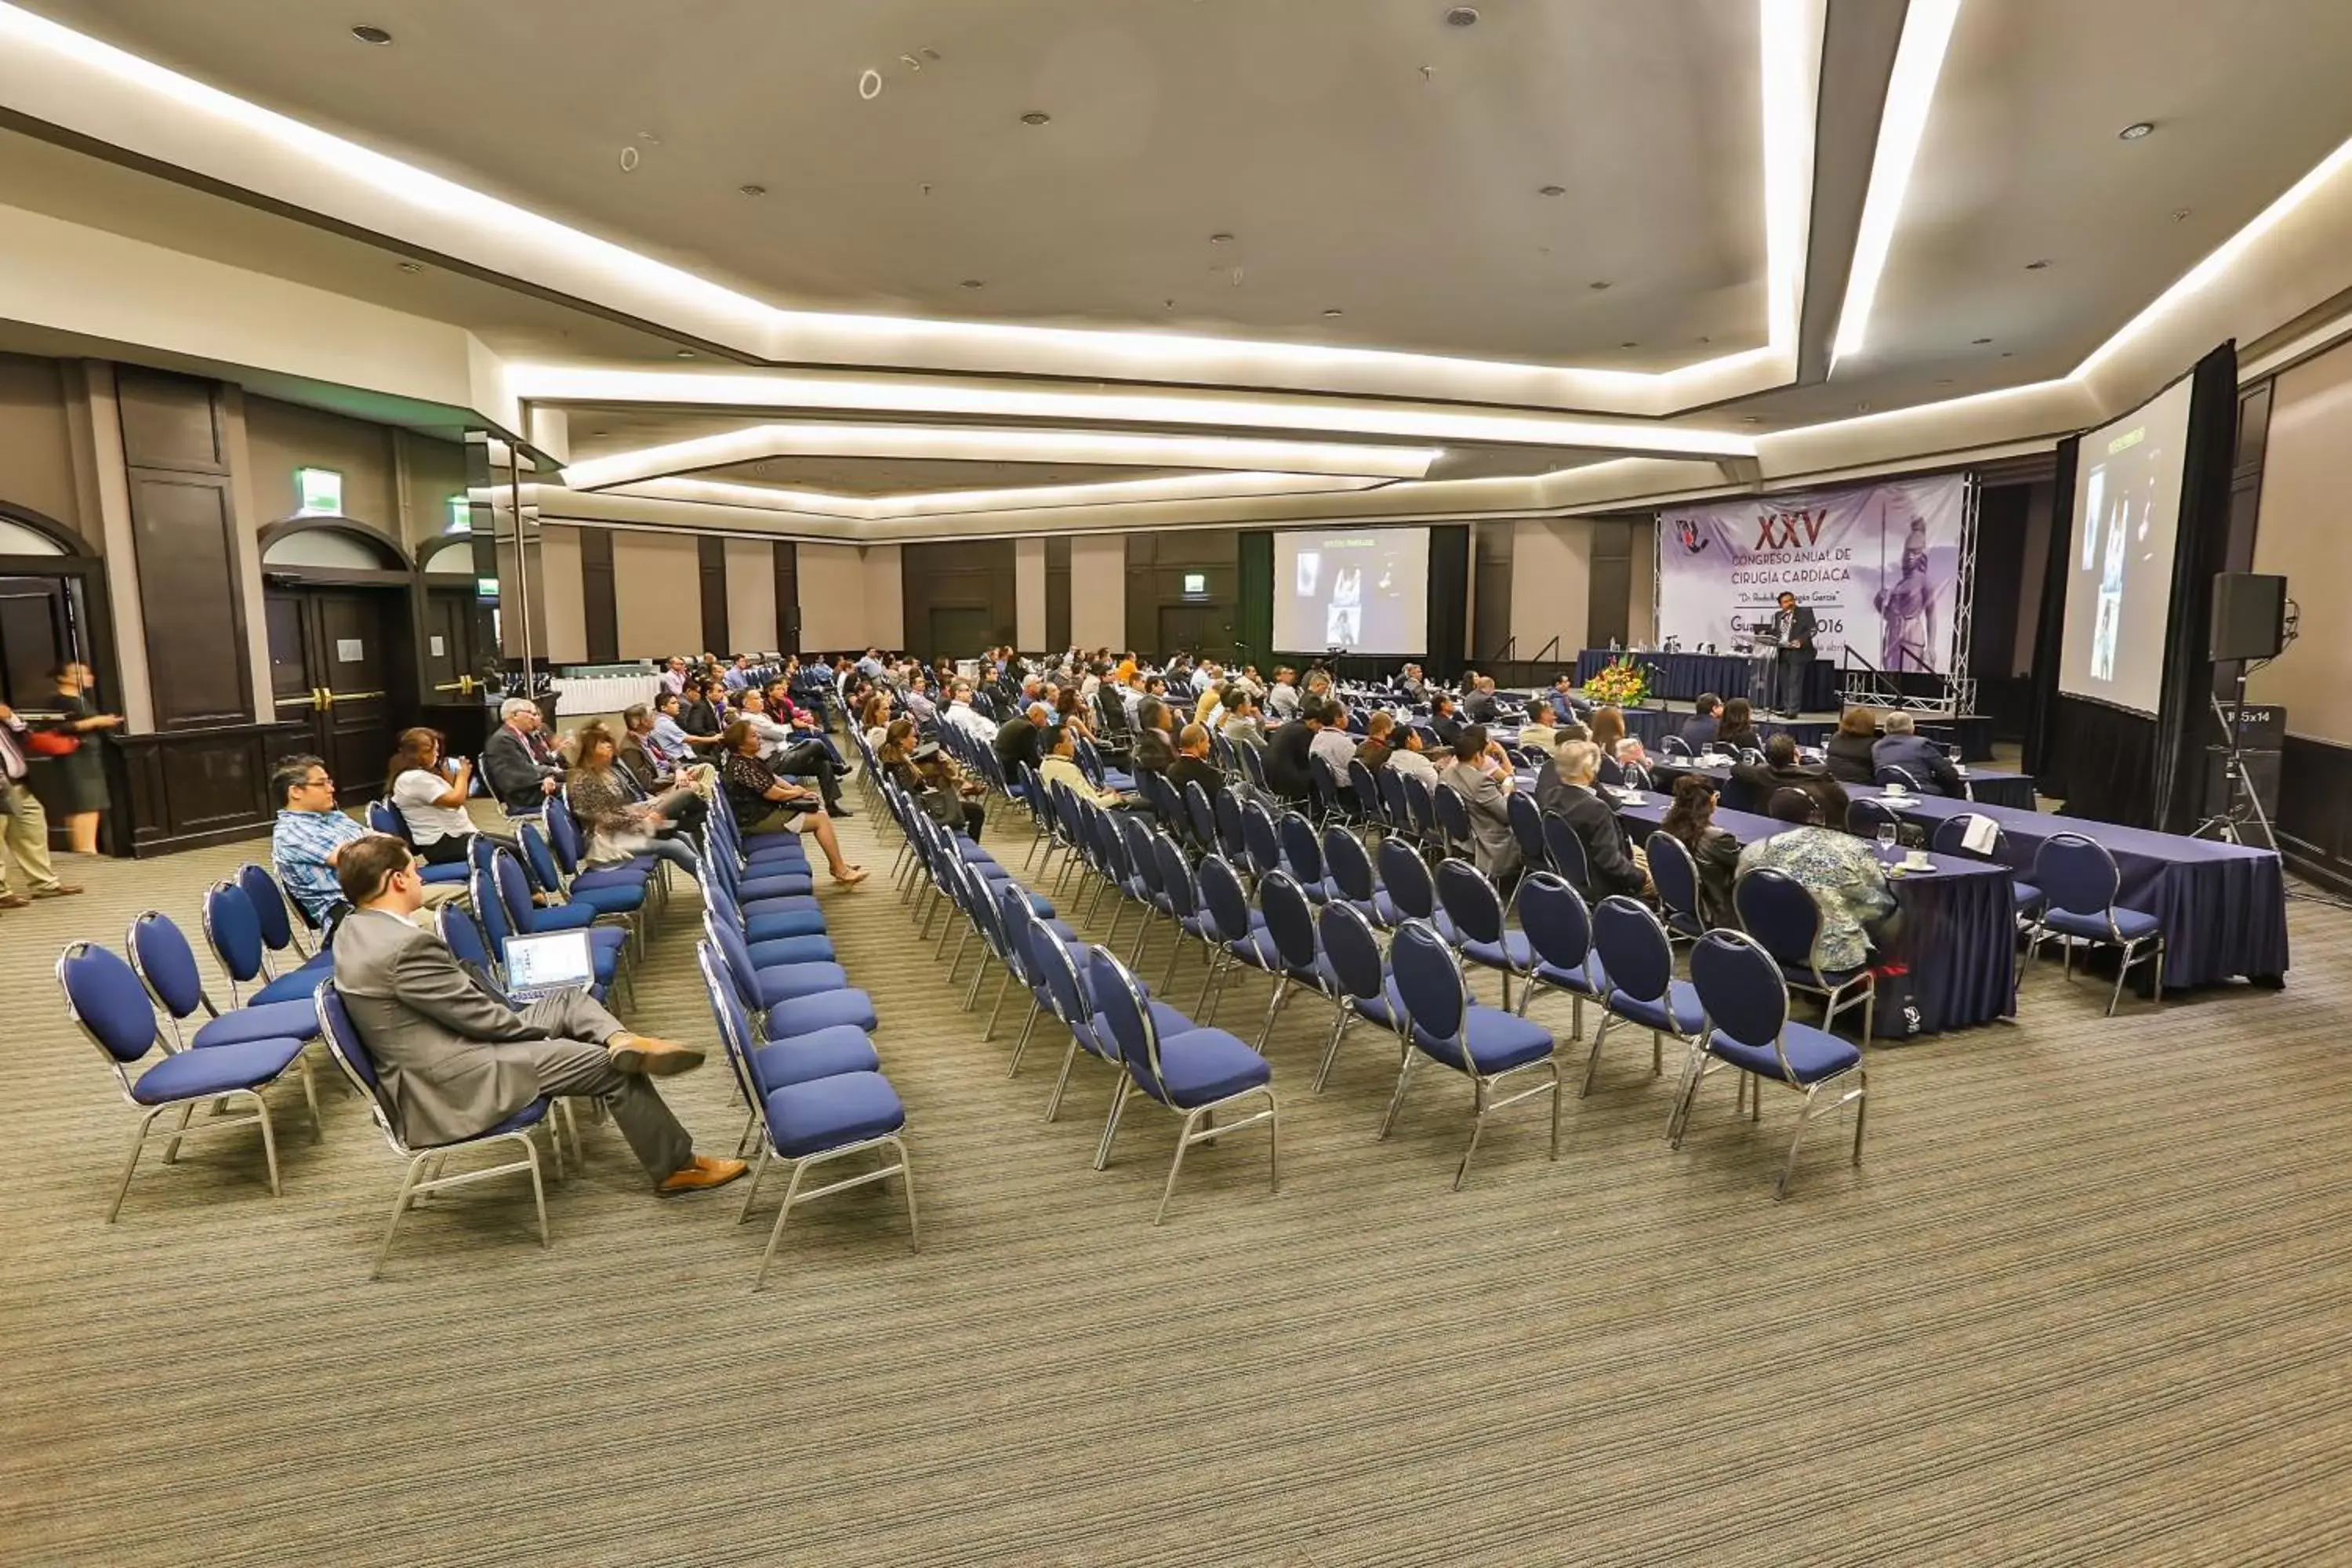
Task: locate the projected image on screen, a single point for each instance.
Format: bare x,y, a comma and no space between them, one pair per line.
2119,569
1365,590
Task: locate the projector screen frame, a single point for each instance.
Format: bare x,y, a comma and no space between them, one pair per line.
1283,590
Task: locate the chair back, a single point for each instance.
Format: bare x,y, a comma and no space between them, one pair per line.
1565,851
1558,926
233,932
538,860
1421,806
462,935
1951,839
1779,912
1744,993
1471,902
1394,806
1177,883
1428,981
1865,814
734,954
1353,951
160,952
350,1054
1136,849
1346,864
512,890
1120,1002
1526,826
1635,951
1262,837
482,891
1454,818
1891,773
1065,988
1674,746
1231,841
268,900
1289,921
1222,899
1407,879
1252,765
383,817
1365,786
1783,799
563,831
2077,874
480,852
1200,815
1675,875
734,1026
1014,920
1300,848
107,1002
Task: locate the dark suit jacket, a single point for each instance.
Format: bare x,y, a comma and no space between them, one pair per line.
512,773
632,756
1479,706
1698,733
1604,838
1186,770
1801,626
1849,758
1153,750
1922,760
1016,742
1285,760
1763,780
1449,727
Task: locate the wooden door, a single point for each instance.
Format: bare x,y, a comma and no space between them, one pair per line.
332,660
448,642
35,637
1196,628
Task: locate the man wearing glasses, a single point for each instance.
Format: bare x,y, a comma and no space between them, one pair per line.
309,836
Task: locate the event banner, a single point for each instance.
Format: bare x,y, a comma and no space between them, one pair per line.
1879,565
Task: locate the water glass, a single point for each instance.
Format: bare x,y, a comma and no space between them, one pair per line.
1886,837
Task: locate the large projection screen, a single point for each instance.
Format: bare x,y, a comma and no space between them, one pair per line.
2127,477
1365,590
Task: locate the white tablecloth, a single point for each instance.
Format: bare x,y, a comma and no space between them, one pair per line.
579,694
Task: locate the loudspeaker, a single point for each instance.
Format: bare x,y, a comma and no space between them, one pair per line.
2249,615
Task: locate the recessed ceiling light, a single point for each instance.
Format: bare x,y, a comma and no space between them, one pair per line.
975,283
600,435
686,353
2181,214
1629,343
1552,191
1861,409
1221,238
411,267
1597,284
751,190
367,35
2136,130
1462,16
1751,419
1331,314
1036,117
1981,342
2037,265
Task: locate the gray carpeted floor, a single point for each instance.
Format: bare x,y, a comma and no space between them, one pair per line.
2085,1303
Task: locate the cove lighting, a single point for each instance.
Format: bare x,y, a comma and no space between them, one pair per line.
1910,92
947,503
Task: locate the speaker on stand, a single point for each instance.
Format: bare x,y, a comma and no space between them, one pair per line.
2253,624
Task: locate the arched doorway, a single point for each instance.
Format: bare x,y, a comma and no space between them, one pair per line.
342,655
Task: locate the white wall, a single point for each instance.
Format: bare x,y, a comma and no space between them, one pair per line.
2302,532
561,632
885,596
1551,584
1029,593
1099,591
832,597
656,592
750,597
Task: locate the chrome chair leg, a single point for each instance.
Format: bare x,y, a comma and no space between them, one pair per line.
1592,1063
1175,1166
1110,1128
171,1149
792,1190
1331,1049
997,1005
1404,1073
1028,1027
1477,1126
399,1207
752,1187
138,1144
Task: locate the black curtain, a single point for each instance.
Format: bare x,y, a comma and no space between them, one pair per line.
1449,599
2110,763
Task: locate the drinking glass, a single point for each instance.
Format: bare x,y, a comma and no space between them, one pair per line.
1886,837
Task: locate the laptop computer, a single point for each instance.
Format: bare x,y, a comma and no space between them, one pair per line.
548,962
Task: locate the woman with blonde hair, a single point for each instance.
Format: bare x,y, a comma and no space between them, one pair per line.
618,824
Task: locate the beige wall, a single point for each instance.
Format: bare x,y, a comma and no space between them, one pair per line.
1551,584
886,596
37,461
751,595
431,472
562,630
832,597
1642,625
2302,533
656,592
283,436
1029,593
1099,591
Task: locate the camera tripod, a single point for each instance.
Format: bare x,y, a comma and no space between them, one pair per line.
2241,801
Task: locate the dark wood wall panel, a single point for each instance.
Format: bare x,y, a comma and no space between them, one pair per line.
2314,810
182,527
196,787
1609,603
711,555
1492,552
600,608
959,596
788,595
1161,619
1057,593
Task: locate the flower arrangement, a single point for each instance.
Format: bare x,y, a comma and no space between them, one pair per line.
1621,683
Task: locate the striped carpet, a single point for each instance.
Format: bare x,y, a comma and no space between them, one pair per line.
2085,1304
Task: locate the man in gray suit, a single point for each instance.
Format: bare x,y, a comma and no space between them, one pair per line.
457,1058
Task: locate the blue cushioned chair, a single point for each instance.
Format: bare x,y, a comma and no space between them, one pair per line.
105,1001
787,1001
811,1124
1472,921
1263,839
1866,814
1564,852
761,1065
426,1162
1781,913
279,933
383,817
1302,856
1527,829
1675,876
1484,1045
233,931
1748,1028
1235,933
1363,986
160,952
2079,881
1405,877
1560,931
1195,1073
1637,974
1455,833
1951,839
1349,869
1066,996
1298,964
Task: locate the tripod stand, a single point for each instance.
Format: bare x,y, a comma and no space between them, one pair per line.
2241,803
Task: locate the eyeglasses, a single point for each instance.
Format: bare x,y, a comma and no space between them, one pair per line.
321,782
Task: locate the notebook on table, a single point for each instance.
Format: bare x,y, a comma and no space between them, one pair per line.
548,962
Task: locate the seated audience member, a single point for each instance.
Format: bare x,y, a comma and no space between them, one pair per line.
1193,765
1411,683
1904,747
1564,697
764,803
1445,720
698,714
309,835
1407,756
791,752
1070,711
1713,850
456,1059
1282,697
1698,729
1019,739
1060,767
654,769
1332,745
1847,754
512,765
667,743
1154,747
1607,855
1736,732
430,795
1242,723
1607,726
1781,770
673,676
933,781
739,674
1537,734
1841,871
1485,785
1380,739
1286,752
1481,706
966,718
617,824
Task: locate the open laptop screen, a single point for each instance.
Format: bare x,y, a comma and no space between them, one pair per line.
549,961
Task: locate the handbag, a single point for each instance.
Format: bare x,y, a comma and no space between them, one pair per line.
51,743
1896,1014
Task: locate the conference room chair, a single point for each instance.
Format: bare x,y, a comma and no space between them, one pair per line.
164,961
1364,986
1674,745
1396,810
1865,814
1405,878
1952,838
1893,774
1055,967
1253,765
1638,985
280,933
1231,842
1302,856
1200,818
1261,839
1142,859
1196,1074
1471,917
1559,932
1421,802
1564,852
570,846
1779,912
1234,933
1299,957
2079,881
1457,837
506,884
760,1065
1371,803
425,1173
104,998
623,902
383,817
1788,799
233,931
1675,876
1747,1028
1485,1044
1348,867
1527,829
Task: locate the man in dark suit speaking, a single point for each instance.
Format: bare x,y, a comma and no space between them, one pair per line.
1792,633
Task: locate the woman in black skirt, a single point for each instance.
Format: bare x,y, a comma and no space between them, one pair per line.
72,787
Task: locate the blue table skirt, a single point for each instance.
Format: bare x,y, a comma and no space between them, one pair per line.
1959,928
1682,676
2222,907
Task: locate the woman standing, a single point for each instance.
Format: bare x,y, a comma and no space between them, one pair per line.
761,799
619,825
71,784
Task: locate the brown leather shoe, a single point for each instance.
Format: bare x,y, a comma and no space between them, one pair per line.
14,901
62,890
652,1057
704,1172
